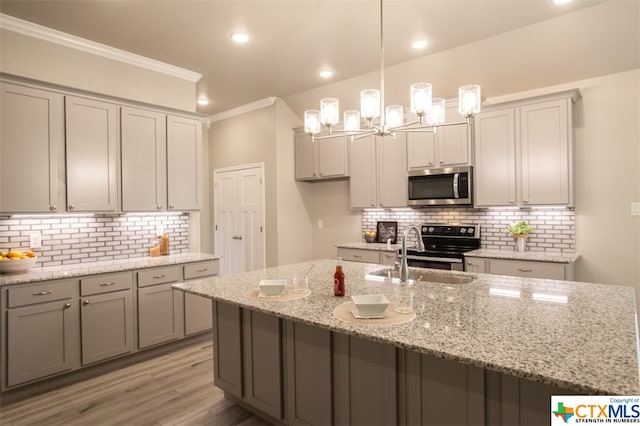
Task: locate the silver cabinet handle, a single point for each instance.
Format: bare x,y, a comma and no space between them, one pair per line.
155,277
106,284
86,302
67,305
52,208
42,293
201,269
525,270
72,206
357,256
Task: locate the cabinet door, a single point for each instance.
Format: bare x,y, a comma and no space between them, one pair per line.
159,315
227,347
495,170
304,156
365,381
421,147
263,362
184,171
392,171
197,314
143,143
308,364
475,264
333,157
91,155
453,142
362,185
31,140
544,141
107,326
40,340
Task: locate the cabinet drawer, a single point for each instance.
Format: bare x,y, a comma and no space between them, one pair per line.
106,283
388,258
530,269
359,255
201,269
169,274
42,292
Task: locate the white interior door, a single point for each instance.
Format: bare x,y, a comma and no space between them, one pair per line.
239,218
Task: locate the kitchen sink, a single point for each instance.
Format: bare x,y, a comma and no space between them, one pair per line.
416,275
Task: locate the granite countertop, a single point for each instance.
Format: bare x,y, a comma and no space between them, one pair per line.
539,256
578,336
370,246
93,268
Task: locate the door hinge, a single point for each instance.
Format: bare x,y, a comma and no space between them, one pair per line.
261,229
260,181
216,227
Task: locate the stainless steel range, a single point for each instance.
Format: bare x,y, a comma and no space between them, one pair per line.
445,246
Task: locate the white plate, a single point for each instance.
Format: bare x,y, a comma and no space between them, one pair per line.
358,316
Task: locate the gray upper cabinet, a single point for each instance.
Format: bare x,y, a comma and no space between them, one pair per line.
184,170
323,159
31,140
91,139
524,153
143,142
448,146
378,172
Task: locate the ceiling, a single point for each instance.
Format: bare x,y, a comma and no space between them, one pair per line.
291,41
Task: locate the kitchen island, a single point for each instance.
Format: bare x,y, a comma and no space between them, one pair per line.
490,351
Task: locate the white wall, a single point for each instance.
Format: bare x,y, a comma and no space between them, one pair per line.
42,60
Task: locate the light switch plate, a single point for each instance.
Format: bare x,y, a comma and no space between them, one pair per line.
635,209
35,240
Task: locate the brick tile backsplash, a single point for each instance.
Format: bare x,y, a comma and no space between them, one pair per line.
71,239
554,229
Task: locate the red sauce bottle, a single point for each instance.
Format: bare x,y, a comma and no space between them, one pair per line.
338,282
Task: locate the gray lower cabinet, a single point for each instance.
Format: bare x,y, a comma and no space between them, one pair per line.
159,315
41,331
227,347
106,315
197,309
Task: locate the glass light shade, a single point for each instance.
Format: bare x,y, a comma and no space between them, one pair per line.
312,121
329,111
435,115
469,100
420,98
352,120
370,103
394,115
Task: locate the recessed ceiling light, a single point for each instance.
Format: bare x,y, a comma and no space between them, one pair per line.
326,73
419,43
240,37
203,101
562,1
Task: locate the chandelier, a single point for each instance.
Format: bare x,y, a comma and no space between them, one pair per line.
384,121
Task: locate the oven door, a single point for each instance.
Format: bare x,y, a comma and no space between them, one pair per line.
445,263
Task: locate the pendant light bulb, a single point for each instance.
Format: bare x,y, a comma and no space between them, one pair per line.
312,121
370,103
420,98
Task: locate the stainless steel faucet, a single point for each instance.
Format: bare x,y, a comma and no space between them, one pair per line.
404,267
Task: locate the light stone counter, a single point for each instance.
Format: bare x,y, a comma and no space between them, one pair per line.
370,246
578,336
93,268
511,254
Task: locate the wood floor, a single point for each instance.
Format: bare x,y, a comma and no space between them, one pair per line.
174,389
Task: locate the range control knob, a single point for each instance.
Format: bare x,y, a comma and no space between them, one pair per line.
471,230
463,230
431,229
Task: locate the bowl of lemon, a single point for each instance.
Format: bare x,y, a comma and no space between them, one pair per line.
15,261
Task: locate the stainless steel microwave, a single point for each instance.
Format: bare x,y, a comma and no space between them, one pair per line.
443,186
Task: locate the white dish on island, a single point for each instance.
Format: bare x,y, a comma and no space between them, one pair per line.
272,287
370,305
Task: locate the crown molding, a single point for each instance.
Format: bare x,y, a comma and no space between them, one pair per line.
242,109
17,25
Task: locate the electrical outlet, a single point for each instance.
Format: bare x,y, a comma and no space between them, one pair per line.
635,209
35,240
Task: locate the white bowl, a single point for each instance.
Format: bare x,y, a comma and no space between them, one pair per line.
370,305
272,287
16,266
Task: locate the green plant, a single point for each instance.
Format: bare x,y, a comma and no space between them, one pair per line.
520,228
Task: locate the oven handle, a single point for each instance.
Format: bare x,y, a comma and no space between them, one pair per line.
435,259
456,179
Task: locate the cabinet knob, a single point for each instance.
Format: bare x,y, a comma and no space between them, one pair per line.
468,262
158,207
86,302
431,163
52,208
171,206
441,161
511,201
71,206
525,201
67,305
373,205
